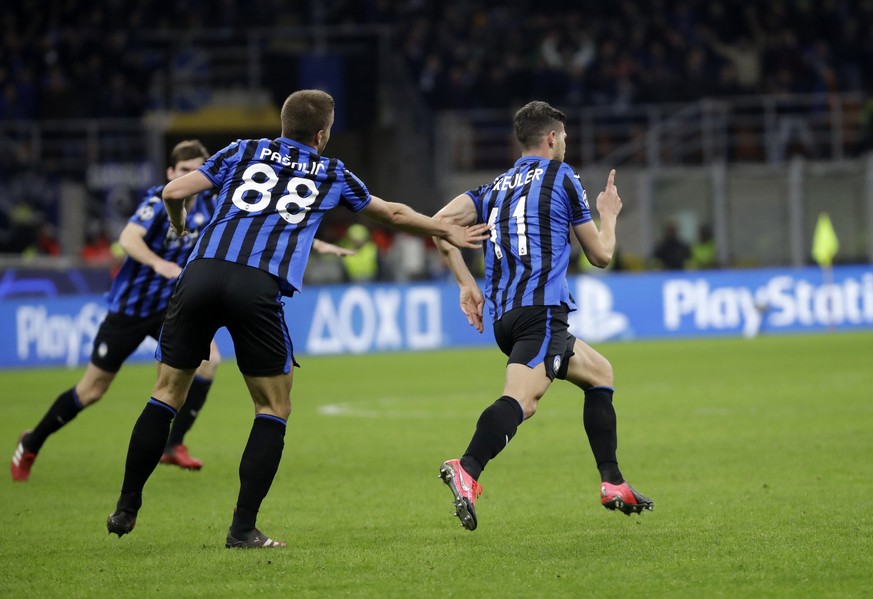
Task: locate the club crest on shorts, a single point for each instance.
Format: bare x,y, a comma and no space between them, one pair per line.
556,364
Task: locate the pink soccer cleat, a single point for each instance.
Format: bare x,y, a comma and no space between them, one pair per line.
465,489
624,499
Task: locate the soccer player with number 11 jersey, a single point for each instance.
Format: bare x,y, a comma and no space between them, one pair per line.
531,211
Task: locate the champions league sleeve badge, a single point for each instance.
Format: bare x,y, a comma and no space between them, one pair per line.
145,213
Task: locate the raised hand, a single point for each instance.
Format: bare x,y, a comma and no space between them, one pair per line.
608,201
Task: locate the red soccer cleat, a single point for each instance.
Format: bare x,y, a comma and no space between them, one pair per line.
465,489
22,461
623,498
179,456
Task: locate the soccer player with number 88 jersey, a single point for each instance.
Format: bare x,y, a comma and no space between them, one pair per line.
272,196
531,210
138,302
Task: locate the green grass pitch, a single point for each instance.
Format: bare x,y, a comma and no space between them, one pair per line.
758,454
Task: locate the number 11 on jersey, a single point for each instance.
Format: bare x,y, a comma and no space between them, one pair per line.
520,225
520,228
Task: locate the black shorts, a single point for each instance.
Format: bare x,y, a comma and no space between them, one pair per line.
534,334
211,294
119,335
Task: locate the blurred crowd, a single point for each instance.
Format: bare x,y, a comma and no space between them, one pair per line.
489,54
76,59
62,59
71,59
492,54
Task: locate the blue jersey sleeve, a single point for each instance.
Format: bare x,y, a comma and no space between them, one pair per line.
476,196
216,167
580,212
354,193
149,209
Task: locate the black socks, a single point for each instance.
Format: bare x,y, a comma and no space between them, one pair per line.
599,418
258,466
185,419
64,409
146,447
499,422
496,426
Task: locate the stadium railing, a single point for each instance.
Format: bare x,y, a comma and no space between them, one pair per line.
758,170
753,129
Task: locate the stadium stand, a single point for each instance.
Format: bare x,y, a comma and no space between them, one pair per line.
480,55
90,92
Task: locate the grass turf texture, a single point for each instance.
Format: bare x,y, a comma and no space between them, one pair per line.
757,453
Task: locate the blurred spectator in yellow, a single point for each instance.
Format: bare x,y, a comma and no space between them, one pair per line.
363,265
704,254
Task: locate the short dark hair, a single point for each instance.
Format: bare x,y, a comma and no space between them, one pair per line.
186,150
534,120
305,113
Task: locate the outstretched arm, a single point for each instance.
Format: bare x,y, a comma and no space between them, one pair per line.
404,218
599,245
323,247
461,211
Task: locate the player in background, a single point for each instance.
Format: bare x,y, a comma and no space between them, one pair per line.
137,302
531,210
272,196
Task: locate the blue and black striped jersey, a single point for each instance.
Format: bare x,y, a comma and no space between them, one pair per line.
138,290
272,197
530,209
